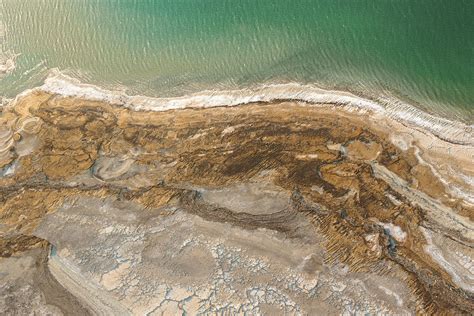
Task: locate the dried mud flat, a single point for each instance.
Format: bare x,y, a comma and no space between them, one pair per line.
281,208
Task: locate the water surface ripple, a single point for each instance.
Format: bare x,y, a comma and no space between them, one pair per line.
417,51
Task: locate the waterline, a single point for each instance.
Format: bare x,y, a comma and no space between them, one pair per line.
448,130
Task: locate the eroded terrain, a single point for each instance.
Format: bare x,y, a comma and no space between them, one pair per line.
269,209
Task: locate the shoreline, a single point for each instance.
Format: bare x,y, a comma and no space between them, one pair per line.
452,131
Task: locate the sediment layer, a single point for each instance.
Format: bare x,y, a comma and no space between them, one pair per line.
279,207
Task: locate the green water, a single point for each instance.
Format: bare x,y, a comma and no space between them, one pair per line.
419,51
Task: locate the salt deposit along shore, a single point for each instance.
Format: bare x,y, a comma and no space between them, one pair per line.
303,203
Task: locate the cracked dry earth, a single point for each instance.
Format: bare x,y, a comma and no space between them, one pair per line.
269,209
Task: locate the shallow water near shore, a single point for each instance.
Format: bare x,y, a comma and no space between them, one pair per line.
416,52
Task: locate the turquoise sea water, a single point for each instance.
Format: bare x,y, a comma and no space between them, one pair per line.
420,51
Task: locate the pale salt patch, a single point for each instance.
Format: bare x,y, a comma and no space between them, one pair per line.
306,157
391,293
113,279
459,277
228,130
198,135
337,147
318,189
107,230
338,287
401,142
231,129
393,199
395,231
10,169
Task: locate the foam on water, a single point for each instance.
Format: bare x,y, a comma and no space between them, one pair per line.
7,63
